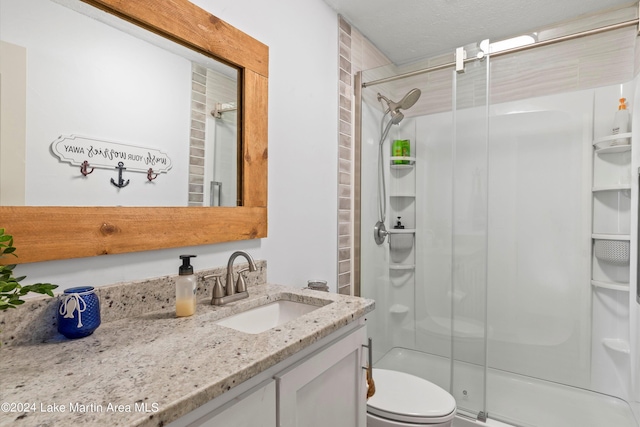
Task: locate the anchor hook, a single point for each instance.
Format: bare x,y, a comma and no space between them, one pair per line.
120,183
84,167
150,173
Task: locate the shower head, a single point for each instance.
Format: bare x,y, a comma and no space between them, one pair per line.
405,103
396,117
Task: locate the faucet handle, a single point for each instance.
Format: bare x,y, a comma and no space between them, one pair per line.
218,290
241,284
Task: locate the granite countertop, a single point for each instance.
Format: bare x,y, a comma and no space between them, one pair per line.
156,361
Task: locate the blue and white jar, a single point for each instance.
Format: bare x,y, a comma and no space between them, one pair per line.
79,312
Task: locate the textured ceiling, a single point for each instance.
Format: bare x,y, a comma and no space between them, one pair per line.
407,30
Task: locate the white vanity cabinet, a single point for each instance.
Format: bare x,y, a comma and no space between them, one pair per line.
326,389
322,385
256,408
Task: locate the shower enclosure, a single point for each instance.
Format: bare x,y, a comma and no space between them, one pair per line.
493,289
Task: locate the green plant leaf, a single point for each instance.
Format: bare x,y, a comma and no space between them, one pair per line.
7,286
10,289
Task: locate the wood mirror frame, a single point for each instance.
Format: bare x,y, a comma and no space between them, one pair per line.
53,233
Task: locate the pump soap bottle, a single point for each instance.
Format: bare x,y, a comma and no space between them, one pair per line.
621,123
185,288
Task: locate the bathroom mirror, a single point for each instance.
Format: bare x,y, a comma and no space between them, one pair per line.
123,90
58,232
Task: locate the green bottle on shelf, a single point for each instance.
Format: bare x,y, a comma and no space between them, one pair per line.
397,149
406,150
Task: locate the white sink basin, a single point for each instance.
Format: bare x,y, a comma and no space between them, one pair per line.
265,317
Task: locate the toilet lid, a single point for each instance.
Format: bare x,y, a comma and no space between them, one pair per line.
404,397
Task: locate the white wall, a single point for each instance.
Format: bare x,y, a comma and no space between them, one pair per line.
303,82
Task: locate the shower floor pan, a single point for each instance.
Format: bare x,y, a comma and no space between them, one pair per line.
514,400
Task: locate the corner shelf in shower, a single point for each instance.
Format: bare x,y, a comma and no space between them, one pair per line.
411,160
622,287
612,148
615,187
398,309
610,236
402,231
617,345
402,267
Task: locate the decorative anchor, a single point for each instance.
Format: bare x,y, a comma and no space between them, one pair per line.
84,167
121,182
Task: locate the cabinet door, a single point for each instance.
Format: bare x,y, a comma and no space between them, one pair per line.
256,408
327,389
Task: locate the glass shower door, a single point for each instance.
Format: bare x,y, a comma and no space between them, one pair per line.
469,237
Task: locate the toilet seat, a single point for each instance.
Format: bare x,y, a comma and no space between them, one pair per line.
407,398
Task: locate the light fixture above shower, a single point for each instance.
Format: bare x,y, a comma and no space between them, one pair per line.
493,47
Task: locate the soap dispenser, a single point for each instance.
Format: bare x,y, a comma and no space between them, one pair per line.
185,288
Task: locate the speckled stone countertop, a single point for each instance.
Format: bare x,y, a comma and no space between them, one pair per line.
168,365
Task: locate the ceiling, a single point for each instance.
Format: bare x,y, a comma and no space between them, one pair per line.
408,30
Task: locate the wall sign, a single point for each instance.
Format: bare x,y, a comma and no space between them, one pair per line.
77,150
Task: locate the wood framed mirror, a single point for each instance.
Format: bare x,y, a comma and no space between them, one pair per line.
53,233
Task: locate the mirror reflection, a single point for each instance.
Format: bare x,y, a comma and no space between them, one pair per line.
156,123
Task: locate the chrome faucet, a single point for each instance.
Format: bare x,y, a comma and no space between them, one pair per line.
232,292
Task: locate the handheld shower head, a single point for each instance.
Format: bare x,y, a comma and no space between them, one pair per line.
396,117
405,103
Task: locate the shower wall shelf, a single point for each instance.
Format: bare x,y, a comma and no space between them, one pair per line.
615,187
613,149
602,143
402,231
398,309
402,267
610,236
610,251
618,345
622,287
411,161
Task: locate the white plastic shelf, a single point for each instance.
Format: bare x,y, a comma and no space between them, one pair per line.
615,187
605,141
398,309
618,345
411,160
401,231
613,149
608,285
402,267
611,236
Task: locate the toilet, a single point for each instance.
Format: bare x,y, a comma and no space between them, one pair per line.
404,400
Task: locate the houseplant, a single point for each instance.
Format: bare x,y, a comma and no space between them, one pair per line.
10,289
